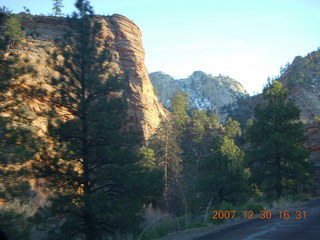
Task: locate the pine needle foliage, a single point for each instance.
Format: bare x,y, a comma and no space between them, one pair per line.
13,30
278,160
57,8
89,159
16,148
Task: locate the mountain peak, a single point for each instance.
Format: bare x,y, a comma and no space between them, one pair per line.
205,91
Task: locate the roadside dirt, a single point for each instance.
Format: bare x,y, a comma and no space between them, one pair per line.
195,233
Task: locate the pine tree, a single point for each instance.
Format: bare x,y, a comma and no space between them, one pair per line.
232,128
89,160
180,107
166,144
57,8
222,174
168,154
13,30
196,148
17,146
279,162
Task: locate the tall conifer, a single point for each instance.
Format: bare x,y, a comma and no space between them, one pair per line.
89,160
57,8
279,162
16,148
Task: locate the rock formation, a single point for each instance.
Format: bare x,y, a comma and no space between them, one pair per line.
124,42
205,91
302,79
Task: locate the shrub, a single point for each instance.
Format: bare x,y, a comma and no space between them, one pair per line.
316,119
252,206
13,30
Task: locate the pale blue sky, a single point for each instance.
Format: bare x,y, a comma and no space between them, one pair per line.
247,40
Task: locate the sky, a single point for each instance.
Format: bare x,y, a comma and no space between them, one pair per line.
247,40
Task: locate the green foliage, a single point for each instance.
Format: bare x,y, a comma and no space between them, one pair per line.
57,8
97,182
297,79
13,30
215,120
160,230
316,119
300,77
200,123
302,197
4,12
222,174
180,107
196,143
17,146
15,219
166,145
26,10
253,206
147,157
232,128
277,159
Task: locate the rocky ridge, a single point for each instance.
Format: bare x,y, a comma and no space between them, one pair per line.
302,80
124,42
205,91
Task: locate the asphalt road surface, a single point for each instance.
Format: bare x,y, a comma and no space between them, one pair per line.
276,228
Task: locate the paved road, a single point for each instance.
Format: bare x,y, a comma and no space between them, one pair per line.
275,228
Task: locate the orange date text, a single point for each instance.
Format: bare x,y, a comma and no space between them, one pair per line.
283,214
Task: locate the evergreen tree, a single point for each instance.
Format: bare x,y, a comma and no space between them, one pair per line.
180,107
57,6
232,128
279,162
196,148
166,146
89,160
16,148
222,174
13,30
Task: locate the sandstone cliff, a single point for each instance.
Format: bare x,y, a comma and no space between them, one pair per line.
205,91
124,41
302,79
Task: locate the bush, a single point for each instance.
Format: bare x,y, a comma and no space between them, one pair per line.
316,119
255,207
301,197
13,30
197,225
159,230
283,201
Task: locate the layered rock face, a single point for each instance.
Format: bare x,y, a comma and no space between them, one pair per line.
124,42
302,79
205,91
